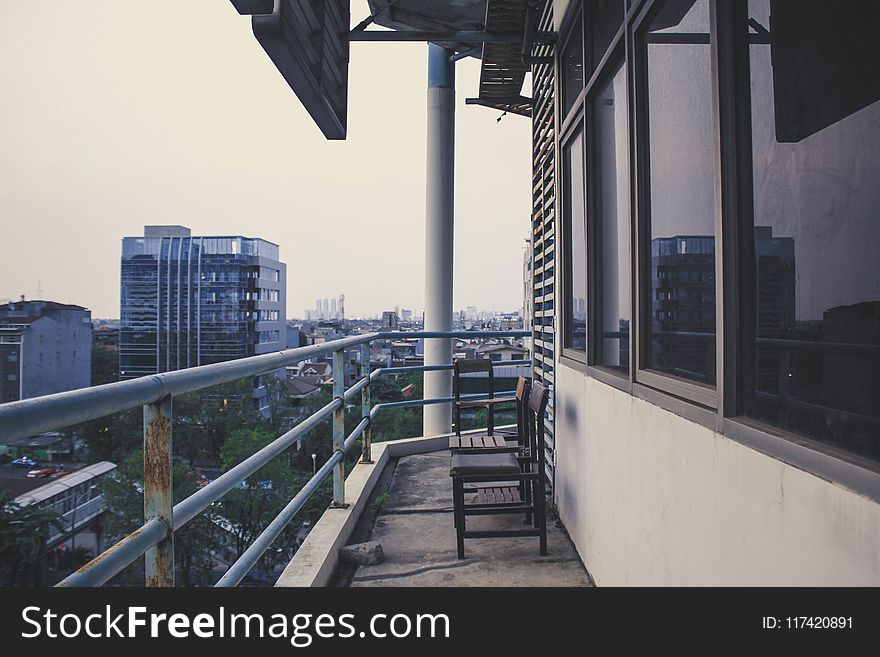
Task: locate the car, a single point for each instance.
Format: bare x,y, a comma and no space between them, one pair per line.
60,472
25,462
40,473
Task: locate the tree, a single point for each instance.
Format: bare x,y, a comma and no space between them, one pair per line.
23,540
194,544
105,364
252,506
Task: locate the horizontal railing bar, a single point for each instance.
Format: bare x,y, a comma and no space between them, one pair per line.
33,416
442,400
187,509
413,368
405,335
438,368
22,419
356,432
356,388
255,550
115,559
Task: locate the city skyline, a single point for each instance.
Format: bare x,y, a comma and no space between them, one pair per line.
97,146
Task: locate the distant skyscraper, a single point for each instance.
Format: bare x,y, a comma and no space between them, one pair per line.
45,347
389,319
189,301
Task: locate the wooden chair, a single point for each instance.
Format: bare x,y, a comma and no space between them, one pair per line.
468,366
502,478
507,440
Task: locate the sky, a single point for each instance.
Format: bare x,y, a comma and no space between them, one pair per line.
115,115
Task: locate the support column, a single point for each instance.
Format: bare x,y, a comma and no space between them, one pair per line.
439,234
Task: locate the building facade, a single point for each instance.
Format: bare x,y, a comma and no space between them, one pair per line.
717,409
45,347
188,301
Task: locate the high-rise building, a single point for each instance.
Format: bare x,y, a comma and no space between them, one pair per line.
389,319
190,301
45,347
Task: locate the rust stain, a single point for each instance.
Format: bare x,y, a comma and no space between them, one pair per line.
106,553
157,465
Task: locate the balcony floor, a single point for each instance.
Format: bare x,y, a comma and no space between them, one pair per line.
415,528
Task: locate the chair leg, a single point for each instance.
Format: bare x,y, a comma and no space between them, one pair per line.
541,515
527,485
458,512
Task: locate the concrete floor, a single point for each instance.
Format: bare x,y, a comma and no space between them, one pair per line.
415,527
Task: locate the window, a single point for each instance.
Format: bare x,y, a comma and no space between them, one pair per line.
575,244
679,193
814,332
612,263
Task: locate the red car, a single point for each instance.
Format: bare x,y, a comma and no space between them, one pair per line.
42,472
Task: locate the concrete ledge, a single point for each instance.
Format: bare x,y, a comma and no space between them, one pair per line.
316,560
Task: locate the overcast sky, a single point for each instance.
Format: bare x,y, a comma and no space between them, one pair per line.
115,114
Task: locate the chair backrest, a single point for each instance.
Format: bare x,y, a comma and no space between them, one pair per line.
522,414
469,366
538,398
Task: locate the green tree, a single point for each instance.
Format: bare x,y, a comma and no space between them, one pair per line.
193,544
105,365
23,541
253,505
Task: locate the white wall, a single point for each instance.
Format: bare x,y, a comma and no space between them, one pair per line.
650,498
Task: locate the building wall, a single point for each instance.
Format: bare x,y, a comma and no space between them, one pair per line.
57,354
653,499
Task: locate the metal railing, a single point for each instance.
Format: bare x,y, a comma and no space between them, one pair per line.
155,538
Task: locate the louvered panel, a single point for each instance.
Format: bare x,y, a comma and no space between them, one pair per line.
543,216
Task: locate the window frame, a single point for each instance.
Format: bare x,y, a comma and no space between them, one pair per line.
690,391
572,354
613,61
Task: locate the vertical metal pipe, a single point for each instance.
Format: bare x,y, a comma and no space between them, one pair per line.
158,486
366,451
439,233
339,427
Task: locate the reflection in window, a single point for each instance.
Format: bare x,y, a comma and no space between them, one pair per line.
575,245
682,154
609,110
816,238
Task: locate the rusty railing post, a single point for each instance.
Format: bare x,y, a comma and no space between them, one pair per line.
366,451
339,428
158,498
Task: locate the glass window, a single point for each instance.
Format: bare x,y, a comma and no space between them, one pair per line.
681,202
612,222
816,163
572,66
575,244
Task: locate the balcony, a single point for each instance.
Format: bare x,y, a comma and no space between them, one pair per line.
415,524
415,529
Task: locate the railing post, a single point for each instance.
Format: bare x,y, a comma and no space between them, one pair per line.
158,498
366,451
339,428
